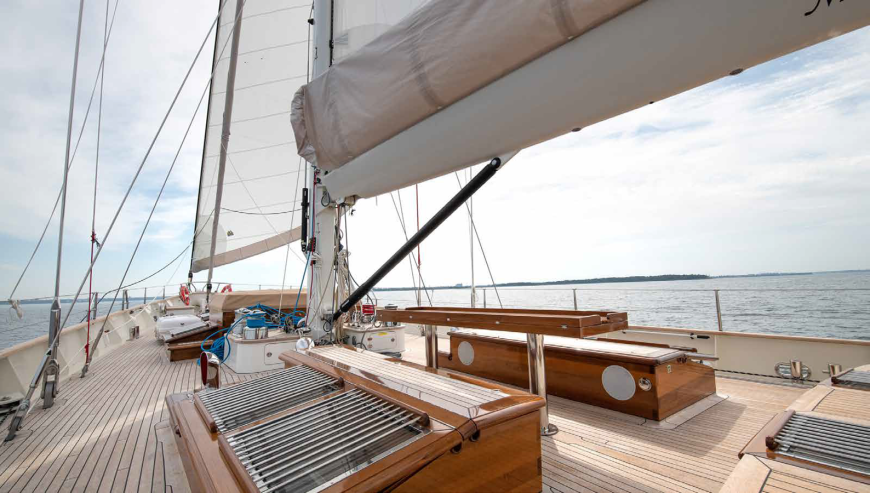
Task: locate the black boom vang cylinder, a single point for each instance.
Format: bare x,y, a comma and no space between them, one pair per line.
305,217
449,208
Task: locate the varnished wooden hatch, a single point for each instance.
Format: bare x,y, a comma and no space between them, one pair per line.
377,424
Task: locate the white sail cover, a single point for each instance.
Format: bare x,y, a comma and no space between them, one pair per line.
260,180
356,23
437,55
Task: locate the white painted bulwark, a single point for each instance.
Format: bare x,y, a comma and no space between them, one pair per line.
758,354
19,363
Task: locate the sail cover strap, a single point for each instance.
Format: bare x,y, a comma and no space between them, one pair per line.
434,57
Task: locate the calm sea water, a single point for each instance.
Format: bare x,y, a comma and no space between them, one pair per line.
35,322
823,305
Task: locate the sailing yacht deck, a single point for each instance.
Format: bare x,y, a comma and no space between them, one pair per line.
111,432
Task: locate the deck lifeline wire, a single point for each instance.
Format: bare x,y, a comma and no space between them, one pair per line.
318,446
242,404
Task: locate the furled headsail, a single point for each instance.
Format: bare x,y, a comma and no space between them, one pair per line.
457,83
262,172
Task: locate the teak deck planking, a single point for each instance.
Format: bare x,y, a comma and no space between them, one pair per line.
104,432
109,432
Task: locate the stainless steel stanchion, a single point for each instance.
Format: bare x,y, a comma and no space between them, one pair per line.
431,334
538,380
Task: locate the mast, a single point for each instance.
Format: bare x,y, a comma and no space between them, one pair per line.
225,139
321,297
50,380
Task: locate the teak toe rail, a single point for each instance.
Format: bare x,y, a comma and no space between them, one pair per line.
565,323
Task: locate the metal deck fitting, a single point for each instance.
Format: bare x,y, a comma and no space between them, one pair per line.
828,442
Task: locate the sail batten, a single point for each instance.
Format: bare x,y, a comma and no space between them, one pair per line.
262,170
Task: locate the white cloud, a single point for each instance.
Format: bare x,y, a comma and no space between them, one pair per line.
766,171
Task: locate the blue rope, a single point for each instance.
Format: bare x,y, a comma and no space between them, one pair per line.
217,347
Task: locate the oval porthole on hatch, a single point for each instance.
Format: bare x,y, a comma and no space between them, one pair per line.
618,383
466,353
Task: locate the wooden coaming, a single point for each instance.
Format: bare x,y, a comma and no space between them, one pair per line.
208,468
197,335
505,457
181,351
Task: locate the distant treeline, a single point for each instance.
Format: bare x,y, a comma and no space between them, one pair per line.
766,274
597,280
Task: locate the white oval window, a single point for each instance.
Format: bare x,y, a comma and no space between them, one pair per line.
466,353
618,383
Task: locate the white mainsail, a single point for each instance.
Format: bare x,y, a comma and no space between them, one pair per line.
263,172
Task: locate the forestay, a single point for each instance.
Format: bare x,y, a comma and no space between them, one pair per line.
260,182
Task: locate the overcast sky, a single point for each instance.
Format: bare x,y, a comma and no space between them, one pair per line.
767,171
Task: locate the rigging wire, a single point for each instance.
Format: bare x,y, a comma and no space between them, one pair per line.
295,197
410,257
287,253
72,159
402,223
265,213
480,243
153,208
145,158
96,175
251,196
34,324
419,263
158,271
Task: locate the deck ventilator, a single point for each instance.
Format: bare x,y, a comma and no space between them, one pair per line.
233,407
827,442
317,446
